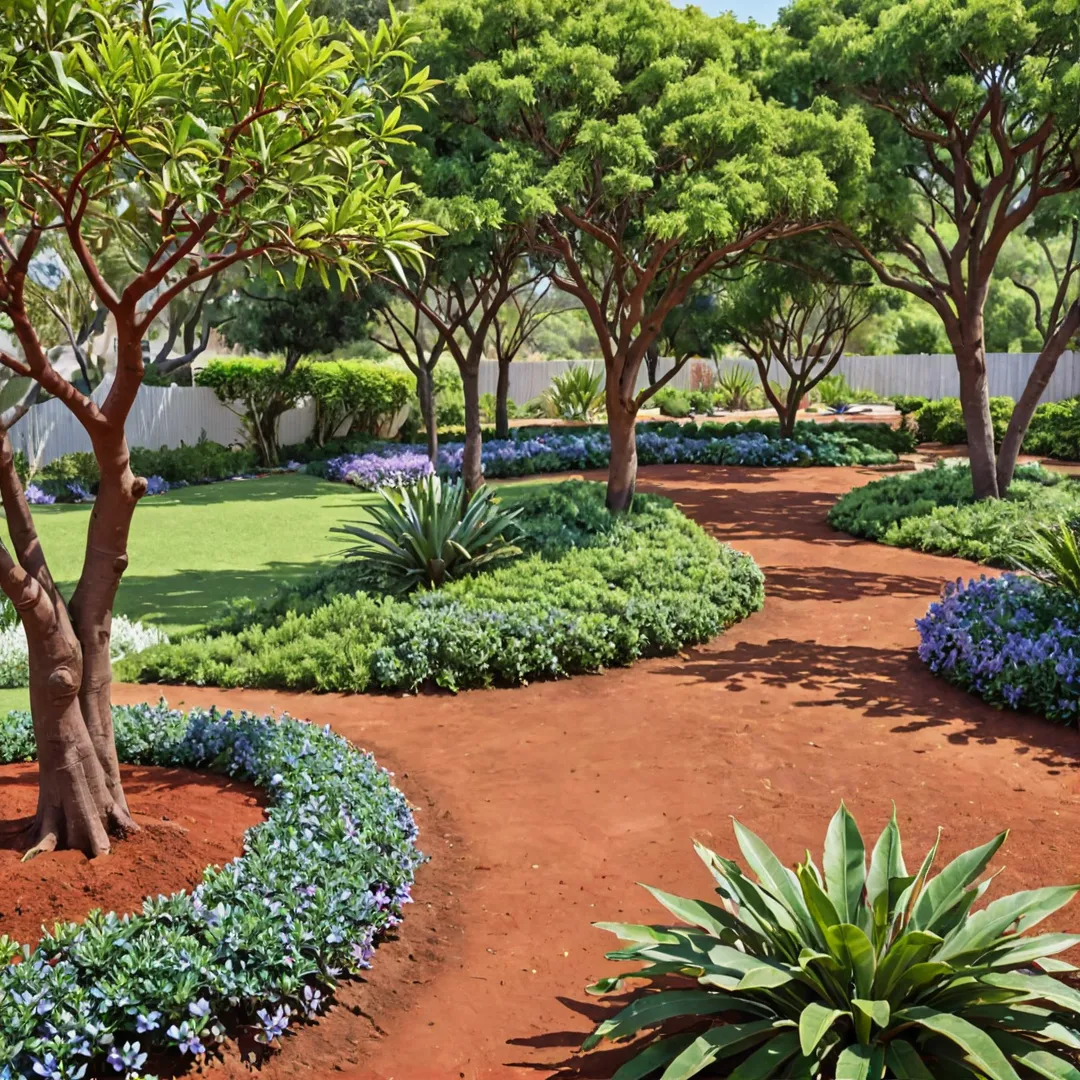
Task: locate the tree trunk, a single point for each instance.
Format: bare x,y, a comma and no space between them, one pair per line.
502,400
652,362
622,465
1036,385
425,391
471,468
975,403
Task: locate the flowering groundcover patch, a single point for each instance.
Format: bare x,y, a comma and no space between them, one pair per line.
394,465
261,941
1012,640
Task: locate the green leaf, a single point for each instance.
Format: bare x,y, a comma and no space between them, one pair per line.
773,874
1049,1065
852,948
886,861
877,1011
814,1021
976,1044
1037,987
947,888
638,933
844,865
906,951
859,1062
717,1042
763,1063
654,1057
655,1008
696,912
903,1060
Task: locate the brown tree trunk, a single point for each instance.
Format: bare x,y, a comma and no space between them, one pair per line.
425,391
975,404
471,468
622,465
502,400
1036,385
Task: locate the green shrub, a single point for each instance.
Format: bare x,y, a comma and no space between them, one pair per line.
79,466
429,533
353,395
672,402
449,395
935,510
849,971
737,389
1055,430
643,585
1051,552
905,404
943,420
701,401
199,463
577,394
262,389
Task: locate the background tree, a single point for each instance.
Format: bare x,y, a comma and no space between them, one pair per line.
793,317
249,136
975,116
633,140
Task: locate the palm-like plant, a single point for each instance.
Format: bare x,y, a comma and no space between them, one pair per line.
577,394
852,973
737,389
431,532
1051,553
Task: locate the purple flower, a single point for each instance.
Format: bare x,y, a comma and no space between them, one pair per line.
156,485
149,1022
376,470
38,497
273,1025
186,1039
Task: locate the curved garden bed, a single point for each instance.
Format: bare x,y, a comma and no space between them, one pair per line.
1012,640
589,591
259,943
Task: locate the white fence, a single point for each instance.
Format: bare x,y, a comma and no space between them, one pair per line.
171,415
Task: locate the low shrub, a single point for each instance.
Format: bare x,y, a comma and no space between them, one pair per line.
848,971
942,420
576,394
906,404
261,941
1012,640
935,511
642,585
353,395
1055,430
673,402
200,463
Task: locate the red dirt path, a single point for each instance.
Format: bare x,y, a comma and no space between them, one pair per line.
188,821
542,806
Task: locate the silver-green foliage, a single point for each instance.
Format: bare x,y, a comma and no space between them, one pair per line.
851,972
577,394
430,533
1051,553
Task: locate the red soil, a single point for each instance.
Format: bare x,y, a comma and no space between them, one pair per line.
188,821
542,806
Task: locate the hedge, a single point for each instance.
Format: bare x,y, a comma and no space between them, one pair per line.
260,941
1012,640
591,591
935,510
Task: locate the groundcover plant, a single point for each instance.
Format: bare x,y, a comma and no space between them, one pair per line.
850,971
260,943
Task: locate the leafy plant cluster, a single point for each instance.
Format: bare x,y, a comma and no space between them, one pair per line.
589,592
262,940
935,511
942,420
1013,640
850,971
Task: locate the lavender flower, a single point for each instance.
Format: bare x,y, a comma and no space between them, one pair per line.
274,1025
156,485
38,497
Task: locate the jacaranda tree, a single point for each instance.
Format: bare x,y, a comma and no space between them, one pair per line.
245,135
633,139
975,111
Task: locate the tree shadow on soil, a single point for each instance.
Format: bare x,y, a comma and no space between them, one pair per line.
839,584
889,684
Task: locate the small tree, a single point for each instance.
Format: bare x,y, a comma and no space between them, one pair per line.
793,318
244,136
633,139
975,118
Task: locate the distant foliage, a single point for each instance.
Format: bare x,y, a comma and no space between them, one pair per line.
576,394
353,396
942,420
849,971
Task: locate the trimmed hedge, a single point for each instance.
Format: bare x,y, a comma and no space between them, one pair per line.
592,591
935,511
1012,640
942,420
263,939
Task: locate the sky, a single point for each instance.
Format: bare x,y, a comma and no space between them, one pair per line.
762,11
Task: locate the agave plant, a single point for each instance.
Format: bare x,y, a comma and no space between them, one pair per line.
850,972
577,394
430,532
737,390
1052,554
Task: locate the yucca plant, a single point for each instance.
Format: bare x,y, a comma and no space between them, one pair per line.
577,394
430,532
1052,554
737,390
849,972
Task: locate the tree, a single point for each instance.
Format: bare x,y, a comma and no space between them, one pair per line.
798,314
975,118
635,144
245,136
268,315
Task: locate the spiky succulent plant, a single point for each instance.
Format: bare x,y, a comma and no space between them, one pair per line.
850,972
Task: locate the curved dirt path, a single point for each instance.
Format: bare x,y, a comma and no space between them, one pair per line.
542,806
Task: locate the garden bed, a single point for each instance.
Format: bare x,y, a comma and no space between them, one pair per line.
259,944
589,591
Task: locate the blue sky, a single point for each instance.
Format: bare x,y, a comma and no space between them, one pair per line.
764,11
